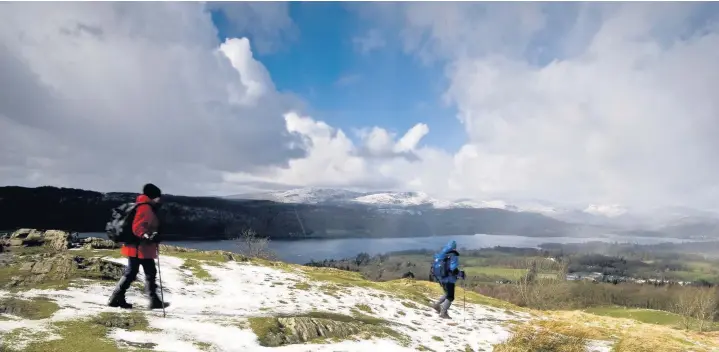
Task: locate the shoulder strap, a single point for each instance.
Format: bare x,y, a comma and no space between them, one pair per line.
137,245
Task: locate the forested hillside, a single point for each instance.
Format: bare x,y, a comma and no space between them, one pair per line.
216,218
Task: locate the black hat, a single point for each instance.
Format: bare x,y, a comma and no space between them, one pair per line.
151,191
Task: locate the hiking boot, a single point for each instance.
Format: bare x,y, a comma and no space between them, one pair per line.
437,307
437,304
444,308
151,290
117,299
156,303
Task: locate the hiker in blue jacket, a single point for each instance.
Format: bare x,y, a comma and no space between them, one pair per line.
446,270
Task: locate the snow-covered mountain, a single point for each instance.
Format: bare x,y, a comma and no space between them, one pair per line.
309,195
591,214
313,195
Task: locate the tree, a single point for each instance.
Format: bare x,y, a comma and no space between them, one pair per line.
362,259
544,285
255,247
685,306
706,306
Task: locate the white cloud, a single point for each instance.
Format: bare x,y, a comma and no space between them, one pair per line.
593,103
618,109
626,113
109,96
410,140
378,141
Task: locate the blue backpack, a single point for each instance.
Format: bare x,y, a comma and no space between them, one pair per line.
440,266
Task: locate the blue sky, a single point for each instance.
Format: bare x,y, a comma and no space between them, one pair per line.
350,89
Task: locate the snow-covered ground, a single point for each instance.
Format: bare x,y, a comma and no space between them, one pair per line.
213,311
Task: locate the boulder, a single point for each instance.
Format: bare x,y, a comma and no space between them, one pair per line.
57,240
97,268
26,237
98,243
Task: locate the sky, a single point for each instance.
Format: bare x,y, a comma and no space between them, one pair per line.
572,103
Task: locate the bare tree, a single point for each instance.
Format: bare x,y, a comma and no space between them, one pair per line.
705,306
543,285
686,306
255,247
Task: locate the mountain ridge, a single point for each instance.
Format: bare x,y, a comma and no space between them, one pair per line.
330,216
591,214
211,218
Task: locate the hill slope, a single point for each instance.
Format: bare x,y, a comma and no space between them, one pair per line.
221,302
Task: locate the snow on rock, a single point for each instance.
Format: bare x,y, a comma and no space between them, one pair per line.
399,198
214,311
308,195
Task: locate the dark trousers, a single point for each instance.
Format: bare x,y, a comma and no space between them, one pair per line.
448,288
133,268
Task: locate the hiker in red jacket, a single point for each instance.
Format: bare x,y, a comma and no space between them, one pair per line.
145,226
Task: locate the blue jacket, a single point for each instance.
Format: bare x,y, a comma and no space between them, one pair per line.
450,249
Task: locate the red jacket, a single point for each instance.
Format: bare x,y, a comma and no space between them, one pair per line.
145,222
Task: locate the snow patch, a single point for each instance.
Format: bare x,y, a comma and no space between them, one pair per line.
215,311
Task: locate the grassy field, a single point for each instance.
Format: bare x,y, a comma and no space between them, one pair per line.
475,267
493,271
643,315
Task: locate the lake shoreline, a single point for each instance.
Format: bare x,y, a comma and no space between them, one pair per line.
306,250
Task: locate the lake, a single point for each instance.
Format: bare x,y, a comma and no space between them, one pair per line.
302,251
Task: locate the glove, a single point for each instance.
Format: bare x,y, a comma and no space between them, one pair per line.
462,275
154,237
455,272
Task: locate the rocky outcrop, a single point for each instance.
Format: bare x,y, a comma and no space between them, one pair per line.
98,243
55,239
53,269
26,237
294,330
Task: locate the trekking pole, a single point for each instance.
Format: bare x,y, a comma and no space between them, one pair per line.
159,273
464,300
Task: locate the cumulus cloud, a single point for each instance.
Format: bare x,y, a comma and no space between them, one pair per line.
135,93
334,160
616,105
589,103
379,142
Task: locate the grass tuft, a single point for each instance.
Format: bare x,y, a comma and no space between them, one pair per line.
88,335
364,308
34,309
527,338
198,272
